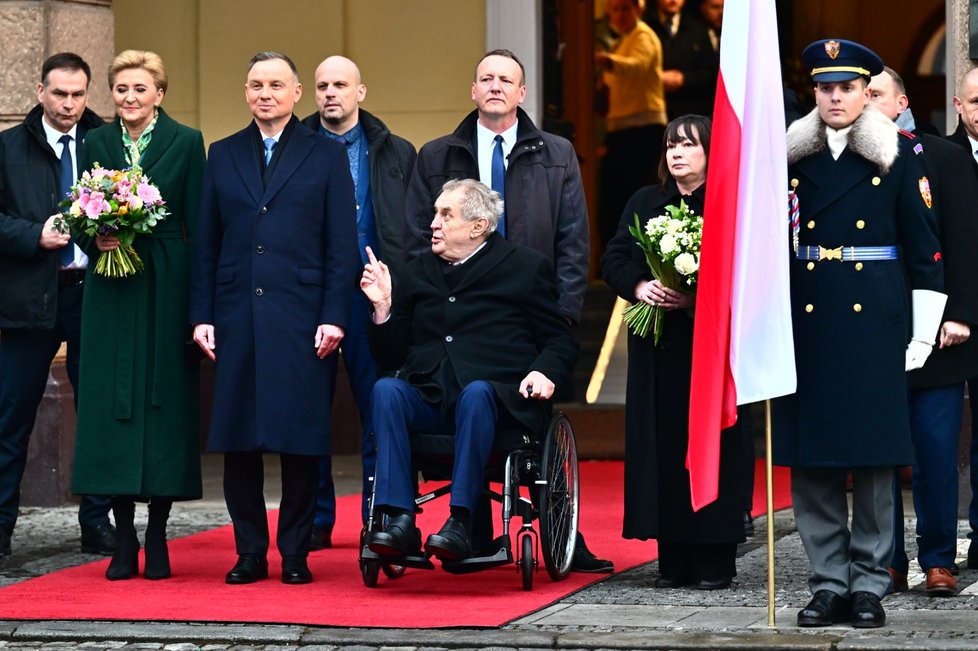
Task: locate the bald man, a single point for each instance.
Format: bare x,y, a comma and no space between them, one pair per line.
381,164
966,135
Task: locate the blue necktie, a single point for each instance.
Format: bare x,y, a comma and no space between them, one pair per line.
269,148
67,179
498,179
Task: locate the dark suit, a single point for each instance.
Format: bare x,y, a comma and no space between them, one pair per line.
480,328
40,307
937,389
275,258
960,136
691,52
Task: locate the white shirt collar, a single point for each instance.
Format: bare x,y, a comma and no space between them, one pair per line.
974,146
469,256
486,142
838,139
53,135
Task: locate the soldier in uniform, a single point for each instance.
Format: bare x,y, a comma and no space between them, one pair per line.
863,234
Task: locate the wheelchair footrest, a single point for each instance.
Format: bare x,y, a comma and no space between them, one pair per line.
416,562
478,563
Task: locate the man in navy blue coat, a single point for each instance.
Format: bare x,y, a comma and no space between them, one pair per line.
275,259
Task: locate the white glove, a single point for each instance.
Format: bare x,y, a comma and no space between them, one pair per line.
928,312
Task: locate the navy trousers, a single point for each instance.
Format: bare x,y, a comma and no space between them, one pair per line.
25,361
935,422
362,373
399,410
973,507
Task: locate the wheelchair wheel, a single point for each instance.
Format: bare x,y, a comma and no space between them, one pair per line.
559,498
370,571
526,561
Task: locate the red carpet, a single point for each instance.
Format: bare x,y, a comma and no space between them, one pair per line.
419,599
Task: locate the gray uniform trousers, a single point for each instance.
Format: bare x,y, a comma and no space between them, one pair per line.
843,560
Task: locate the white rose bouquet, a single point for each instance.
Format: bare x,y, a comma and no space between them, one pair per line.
671,244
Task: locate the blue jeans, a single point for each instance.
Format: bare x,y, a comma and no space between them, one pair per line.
935,422
400,410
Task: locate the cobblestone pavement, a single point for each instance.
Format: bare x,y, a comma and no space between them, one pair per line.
622,612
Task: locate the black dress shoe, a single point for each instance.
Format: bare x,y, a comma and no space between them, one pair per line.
98,539
320,538
452,543
399,538
748,524
4,542
713,584
666,582
825,609
248,569
867,611
295,571
585,561
972,555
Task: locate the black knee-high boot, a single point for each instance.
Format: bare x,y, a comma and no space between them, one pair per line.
125,559
157,554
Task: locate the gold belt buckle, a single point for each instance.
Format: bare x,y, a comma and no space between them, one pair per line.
829,254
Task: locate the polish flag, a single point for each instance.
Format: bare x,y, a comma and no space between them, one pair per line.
742,343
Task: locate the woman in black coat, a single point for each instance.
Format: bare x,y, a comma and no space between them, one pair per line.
697,549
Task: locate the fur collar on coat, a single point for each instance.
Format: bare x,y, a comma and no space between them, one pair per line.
874,137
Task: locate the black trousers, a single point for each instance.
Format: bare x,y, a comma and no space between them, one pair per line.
244,481
25,361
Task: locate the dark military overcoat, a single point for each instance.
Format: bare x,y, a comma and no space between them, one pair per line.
852,319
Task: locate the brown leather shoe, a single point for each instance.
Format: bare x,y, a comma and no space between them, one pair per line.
899,580
940,582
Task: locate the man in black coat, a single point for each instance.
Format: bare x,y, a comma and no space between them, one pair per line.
381,164
541,185
937,390
966,135
689,62
41,278
274,260
474,332
866,237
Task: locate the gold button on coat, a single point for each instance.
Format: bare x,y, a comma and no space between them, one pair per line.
859,266
809,307
811,224
794,183
811,265
857,308
860,224
876,180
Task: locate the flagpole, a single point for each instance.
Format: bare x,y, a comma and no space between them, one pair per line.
769,483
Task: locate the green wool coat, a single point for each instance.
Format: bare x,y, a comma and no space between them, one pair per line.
138,431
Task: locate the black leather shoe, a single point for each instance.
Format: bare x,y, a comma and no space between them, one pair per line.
867,611
665,582
452,543
972,555
4,542
585,561
825,609
713,584
248,569
295,571
399,538
320,539
748,524
98,539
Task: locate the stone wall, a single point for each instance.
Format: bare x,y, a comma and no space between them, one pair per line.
35,29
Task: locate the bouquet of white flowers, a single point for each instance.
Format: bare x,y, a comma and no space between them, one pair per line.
671,244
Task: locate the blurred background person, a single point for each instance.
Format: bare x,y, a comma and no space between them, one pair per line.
690,64
695,549
636,114
138,437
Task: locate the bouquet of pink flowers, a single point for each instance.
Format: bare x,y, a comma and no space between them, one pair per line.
671,244
122,203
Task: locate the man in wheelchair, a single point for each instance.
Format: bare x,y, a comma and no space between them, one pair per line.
475,337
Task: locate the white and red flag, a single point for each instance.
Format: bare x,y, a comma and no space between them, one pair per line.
742,343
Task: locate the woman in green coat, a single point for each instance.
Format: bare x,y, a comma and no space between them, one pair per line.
138,436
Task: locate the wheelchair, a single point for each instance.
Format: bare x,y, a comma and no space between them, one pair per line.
546,465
